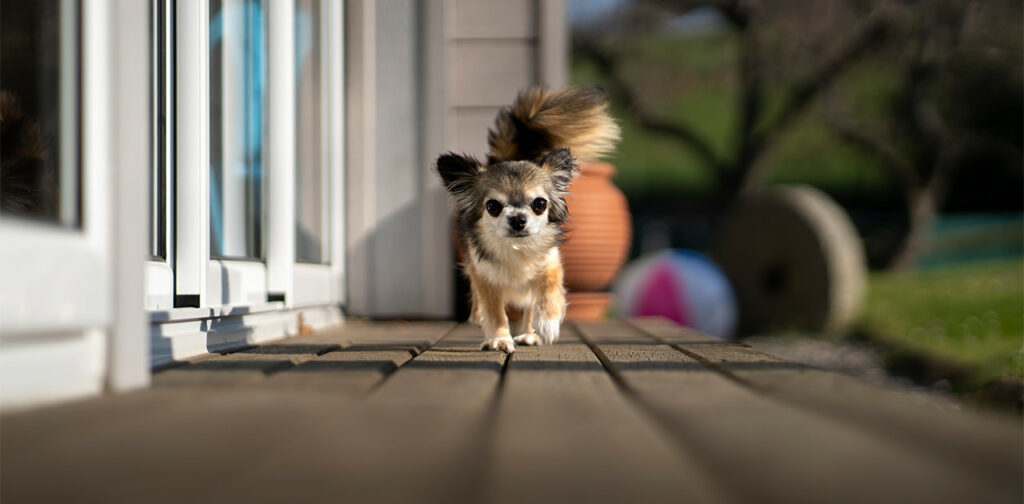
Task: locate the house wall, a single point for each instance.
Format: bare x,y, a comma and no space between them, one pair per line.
397,236
428,77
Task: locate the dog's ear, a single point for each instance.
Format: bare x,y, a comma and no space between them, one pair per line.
562,167
458,170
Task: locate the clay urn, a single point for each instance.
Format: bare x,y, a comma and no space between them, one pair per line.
597,239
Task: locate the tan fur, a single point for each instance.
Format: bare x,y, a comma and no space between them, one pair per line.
492,306
552,289
572,117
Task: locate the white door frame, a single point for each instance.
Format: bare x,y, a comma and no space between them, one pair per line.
71,303
223,303
160,271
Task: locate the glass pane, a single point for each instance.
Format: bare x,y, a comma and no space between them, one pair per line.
311,211
39,100
163,127
237,93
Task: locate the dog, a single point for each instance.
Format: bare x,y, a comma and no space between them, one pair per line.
511,210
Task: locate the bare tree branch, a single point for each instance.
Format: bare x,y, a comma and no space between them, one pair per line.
751,94
622,93
742,171
891,159
803,94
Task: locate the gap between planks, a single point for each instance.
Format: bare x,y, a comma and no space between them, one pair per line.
913,420
666,407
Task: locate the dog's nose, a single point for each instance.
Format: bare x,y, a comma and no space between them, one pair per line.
517,222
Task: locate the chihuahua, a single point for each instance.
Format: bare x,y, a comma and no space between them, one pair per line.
511,210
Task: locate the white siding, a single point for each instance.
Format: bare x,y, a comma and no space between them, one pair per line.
400,168
501,47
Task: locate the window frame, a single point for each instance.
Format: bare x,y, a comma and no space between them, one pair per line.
235,281
70,300
73,261
219,303
321,127
159,271
313,283
199,279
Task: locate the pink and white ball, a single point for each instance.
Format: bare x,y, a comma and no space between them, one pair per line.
681,285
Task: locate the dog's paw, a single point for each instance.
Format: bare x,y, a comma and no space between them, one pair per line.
528,339
502,343
547,329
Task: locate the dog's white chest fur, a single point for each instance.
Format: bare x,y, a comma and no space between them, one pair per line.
516,270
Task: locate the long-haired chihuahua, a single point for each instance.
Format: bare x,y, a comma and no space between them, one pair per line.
511,209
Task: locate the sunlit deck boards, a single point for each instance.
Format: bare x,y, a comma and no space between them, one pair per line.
618,411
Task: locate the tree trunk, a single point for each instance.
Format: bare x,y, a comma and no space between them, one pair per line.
921,210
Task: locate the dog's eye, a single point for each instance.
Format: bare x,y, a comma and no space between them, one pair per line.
494,207
539,205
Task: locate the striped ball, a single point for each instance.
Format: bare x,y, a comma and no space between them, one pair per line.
681,285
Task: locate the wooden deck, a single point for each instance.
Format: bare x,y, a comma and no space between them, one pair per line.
637,411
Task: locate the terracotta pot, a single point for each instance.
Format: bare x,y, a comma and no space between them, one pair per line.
588,305
597,237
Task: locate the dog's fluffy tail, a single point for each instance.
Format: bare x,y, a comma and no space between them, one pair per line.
542,120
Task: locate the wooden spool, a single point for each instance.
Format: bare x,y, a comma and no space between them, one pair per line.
795,261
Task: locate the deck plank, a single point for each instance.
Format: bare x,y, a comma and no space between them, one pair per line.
256,363
173,443
769,451
988,446
418,437
566,433
363,359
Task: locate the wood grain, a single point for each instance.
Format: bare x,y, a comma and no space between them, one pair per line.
565,433
769,451
987,446
414,412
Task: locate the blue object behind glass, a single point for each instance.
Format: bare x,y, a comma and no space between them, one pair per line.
237,96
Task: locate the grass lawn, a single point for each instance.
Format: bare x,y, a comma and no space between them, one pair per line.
971,315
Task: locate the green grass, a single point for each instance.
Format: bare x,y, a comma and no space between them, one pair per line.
971,315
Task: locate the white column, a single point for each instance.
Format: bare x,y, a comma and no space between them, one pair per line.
192,211
336,145
281,148
129,349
